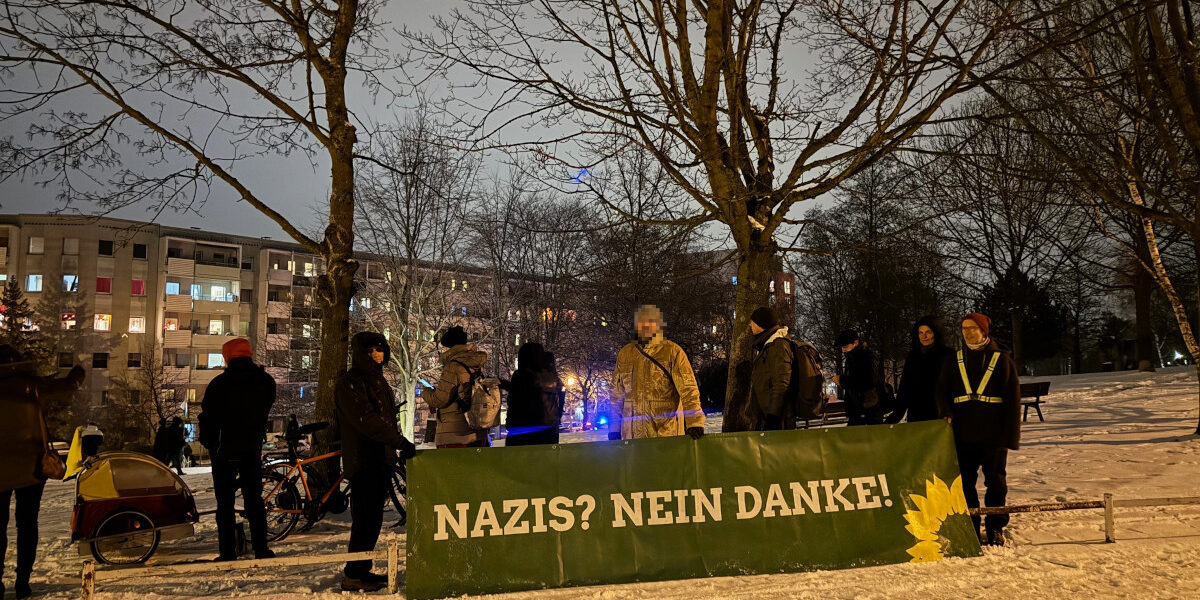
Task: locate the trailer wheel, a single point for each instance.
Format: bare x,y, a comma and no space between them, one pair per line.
124,538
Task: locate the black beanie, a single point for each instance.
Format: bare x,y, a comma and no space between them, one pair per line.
455,336
764,317
846,338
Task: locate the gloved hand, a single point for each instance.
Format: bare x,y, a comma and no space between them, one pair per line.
614,435
695,432
893,418
407,449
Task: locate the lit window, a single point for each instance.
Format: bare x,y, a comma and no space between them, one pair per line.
70,283
170,324
102,322
771,286
464,285
464,311
68,320
306,361
137,287
37,245
453,284
306,330
71,246
309,269
734,278
216,327
191,395
517,340
787,288
172,288
33,283
137,324
196,293
216,360
366,303
104,285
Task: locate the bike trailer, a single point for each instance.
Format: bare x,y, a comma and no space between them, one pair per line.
126,503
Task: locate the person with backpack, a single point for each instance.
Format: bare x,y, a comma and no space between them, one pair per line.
979,392
534,411
367,423
772,390
462,364
922,369
654,385
857,381
233,424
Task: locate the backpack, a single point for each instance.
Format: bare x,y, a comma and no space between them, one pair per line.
808,392
479,399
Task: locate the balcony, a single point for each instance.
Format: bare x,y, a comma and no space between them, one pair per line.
278,310
279,277
176,375
218,271
305,312
213,307
278,341
181,267
179,303
205,341
205,376
177,339
303,281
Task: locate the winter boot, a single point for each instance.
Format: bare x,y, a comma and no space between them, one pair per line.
22,589
995,536
264,553
362,584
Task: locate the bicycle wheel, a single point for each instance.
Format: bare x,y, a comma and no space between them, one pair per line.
282,501
125,538
398,491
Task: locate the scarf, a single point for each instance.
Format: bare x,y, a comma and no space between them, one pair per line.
981,345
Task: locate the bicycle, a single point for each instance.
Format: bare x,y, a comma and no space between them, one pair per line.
284,480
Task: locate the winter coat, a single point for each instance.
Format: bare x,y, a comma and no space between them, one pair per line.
974,421
771,381
858,378
235,409
22,393
919,379
452,428
650,405
534,407
366,410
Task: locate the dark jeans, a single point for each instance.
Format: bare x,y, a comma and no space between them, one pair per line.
29,500
228,476
993,460
368,493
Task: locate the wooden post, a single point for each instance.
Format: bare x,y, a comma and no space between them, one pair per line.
1109,534
88,589
393,553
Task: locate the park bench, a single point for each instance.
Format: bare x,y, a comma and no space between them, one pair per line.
834,412
1036,391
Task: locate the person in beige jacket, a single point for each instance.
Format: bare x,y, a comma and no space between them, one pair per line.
458,361
654,386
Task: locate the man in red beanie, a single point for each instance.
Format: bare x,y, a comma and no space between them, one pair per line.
233,425
979,392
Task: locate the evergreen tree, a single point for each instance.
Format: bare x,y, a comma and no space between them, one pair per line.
17,327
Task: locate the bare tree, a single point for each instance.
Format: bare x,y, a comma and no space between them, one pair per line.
139,396
716,92
194,91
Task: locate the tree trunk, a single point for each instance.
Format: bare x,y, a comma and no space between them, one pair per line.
1143,287
751,292
1018,335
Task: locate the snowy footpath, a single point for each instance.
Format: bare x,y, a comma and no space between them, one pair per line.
1125,433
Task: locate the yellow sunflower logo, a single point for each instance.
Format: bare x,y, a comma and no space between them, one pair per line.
925,522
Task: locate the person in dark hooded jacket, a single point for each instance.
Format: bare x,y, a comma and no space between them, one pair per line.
233,426
922,367
366,410
533,404
857,381
771,381
22,443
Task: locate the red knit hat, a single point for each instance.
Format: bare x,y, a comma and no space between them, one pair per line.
236,348
980,319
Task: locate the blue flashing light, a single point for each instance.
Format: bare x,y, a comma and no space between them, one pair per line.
602,421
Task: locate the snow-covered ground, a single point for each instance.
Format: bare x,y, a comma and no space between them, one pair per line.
1125,433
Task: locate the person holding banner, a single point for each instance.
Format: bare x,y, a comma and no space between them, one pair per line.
922,369
979,392
653,384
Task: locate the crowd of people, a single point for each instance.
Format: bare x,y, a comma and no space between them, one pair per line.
654,393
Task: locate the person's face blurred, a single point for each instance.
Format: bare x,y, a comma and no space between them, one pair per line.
925,334
755,329
377,355
648,328
971,333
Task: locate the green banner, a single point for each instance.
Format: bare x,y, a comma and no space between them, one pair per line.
489,520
